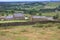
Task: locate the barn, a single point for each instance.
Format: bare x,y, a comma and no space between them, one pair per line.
19,16
40,18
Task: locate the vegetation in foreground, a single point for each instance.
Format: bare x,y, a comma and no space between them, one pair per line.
48,31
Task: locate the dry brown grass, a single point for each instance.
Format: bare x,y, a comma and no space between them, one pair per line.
30,33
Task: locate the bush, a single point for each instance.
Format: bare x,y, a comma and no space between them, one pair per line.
43,25
24,30
59,27
49,25
38,25
56,16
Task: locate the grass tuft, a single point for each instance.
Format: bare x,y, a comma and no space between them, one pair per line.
3,33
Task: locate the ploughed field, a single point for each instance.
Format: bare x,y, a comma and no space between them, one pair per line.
38,31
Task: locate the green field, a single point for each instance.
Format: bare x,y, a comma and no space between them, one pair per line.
49,14
38,31
9,21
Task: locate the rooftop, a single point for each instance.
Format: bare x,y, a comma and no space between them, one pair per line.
44,17
38,16
18,14
11,16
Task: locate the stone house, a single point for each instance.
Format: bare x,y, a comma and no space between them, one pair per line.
18,16
41,18
9,17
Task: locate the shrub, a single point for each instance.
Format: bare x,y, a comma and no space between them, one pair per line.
56,16
38,25
43,25
24,30
48,25
59,27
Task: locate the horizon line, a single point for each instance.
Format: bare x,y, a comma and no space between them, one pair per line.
29,1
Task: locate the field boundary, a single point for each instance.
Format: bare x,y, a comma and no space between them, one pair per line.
26,23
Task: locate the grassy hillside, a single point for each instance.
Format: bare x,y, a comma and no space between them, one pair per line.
47,31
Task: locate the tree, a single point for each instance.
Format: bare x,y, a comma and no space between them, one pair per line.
7,14
12,11
56,16
32,13
40,14
2,14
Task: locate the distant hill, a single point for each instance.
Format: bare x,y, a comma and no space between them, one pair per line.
27,5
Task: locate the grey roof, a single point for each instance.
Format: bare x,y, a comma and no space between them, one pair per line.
44,17
38,16
9,17
18,14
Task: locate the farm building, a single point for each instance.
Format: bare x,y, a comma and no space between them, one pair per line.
9,17
2,18
19,16
41,18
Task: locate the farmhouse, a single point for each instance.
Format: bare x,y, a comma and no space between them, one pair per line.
19,16
9,17
40,18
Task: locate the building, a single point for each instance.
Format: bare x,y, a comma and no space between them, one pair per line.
19,16
10,17
40,18
2,18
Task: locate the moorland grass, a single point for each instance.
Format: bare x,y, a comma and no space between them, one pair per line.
48,31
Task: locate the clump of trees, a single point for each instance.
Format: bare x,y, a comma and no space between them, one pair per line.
40,25
56,16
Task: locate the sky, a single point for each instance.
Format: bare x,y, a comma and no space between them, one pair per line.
26,0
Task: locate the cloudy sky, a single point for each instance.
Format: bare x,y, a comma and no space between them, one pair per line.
29,0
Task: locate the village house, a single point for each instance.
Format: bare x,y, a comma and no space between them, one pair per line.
10,17
41,18
15,16
18,16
